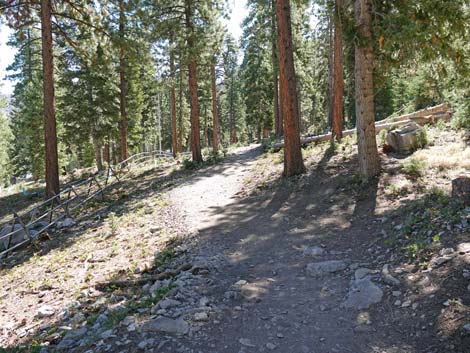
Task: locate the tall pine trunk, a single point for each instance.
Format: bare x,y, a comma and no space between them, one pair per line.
277,112
215,115
293,163
174,137
337,103
232,123
50,129
192,80
180,113
369,163
122,83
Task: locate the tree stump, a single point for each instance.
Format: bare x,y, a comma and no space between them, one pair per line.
404,139
461,188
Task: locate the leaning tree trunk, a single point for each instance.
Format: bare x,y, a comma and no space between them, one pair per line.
50,129
174,137
369,163
215,115
337,104
293,163
277,112
192,79
122,83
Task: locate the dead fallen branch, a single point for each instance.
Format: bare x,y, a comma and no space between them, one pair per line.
103,286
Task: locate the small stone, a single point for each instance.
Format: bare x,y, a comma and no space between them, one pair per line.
106,334
167,325
406,304
414,306
466,327
360,273
45,311
313,251
397,303
201,316
396,293
463,248
318,269
168,303
271,346
246,342
363,294
279,335
241,282
387,277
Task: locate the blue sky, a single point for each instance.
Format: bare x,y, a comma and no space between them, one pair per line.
7,53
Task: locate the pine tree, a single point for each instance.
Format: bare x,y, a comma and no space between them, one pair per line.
293,163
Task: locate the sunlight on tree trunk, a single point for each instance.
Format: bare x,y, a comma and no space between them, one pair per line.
50,130
369,163
293,163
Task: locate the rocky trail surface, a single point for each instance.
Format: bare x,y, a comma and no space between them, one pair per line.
298,266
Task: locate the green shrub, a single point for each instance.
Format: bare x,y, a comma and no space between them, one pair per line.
383,137
414,167
422,137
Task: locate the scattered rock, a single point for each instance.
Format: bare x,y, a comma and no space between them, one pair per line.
167,325
313,251
168,303
387,277
318,269
362,294
463,248
71,338
246,342
360,273
66,223
45,311
271,346
406,304
202,316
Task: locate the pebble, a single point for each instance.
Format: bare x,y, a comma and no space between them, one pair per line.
246,342
45,311
271,346
201,316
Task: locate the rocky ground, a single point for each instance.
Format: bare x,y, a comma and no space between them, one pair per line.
232,258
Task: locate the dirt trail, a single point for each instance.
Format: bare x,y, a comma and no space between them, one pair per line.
214,188
263,295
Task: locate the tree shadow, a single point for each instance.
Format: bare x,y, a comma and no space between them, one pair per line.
260,239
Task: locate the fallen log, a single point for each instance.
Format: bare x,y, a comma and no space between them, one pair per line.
443,108
439,112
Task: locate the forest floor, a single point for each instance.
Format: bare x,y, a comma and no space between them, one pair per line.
234,258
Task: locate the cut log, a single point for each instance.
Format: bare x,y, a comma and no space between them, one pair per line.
443,108
422,117
405,138
461,189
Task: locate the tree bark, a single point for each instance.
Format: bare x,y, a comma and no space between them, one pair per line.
293,163
192,79
215,115
174,137
50,129
232,123
180,113
369,163
122,83
337,104
277,112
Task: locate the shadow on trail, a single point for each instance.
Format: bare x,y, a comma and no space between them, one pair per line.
263,236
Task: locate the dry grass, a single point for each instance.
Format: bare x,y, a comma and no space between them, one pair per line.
454,155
